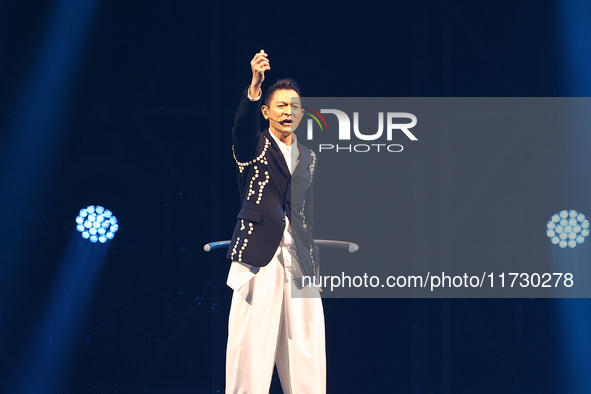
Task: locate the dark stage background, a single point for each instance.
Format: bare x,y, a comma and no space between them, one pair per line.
143,128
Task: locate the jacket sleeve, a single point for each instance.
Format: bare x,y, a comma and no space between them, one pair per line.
246,130
309,209
309,213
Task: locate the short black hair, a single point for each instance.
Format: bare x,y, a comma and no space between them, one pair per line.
282,84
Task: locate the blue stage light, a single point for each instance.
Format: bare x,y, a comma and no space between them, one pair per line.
567,228
96,224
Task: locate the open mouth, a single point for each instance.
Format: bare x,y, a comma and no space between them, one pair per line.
286,122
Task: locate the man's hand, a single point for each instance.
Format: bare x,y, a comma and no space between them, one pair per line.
259,64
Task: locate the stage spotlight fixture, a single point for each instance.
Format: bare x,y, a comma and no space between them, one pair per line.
567,228
96,224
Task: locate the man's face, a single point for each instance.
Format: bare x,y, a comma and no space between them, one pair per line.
284,107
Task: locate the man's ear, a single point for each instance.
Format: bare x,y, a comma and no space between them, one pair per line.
265,111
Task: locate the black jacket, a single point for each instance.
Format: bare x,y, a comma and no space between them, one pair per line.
268,192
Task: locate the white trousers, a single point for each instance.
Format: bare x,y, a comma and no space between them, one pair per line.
272,322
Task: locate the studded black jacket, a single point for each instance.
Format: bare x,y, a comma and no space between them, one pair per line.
268,192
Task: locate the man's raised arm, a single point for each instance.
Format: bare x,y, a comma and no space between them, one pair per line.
246,130
259,64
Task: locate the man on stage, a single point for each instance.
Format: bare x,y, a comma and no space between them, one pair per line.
273,320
